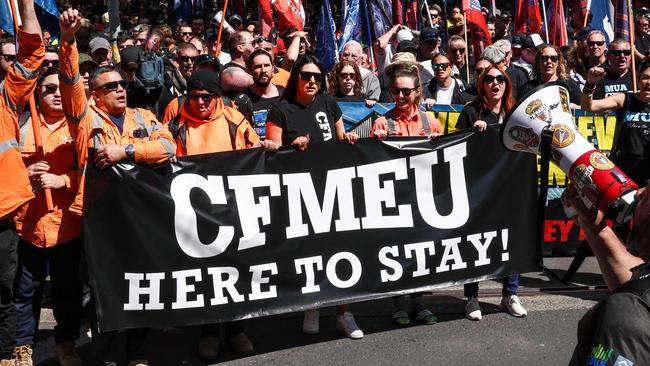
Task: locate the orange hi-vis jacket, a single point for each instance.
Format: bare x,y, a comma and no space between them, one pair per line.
91,127
225,130
18,85
33,221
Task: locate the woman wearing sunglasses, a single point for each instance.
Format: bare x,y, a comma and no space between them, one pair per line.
406,119
306,114
491,105
345,82
550,67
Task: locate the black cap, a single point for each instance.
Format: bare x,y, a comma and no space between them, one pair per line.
407,46
208,60
582,33
428,35
130,54
204,80
517,40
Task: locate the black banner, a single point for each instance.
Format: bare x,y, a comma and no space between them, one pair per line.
246,234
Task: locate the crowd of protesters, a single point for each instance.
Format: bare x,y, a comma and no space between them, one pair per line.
155,91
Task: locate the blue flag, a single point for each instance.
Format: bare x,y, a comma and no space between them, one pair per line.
351,24
381,15
602,19
46,10
326,50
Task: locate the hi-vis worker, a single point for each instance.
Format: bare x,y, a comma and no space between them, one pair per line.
119,134
50,242
15,189
203,126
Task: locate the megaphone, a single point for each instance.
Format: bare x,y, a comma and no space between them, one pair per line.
546,109
227,27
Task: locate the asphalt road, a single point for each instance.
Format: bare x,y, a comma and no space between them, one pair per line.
546,337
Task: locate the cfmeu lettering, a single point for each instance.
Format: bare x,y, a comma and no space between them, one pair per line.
378,182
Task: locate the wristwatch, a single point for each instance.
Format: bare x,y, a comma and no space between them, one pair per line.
130,152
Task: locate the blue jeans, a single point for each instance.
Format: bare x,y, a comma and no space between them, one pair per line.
34,263
510,286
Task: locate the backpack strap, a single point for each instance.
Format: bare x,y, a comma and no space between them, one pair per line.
424,118
23,120
98,123
179,132
390,121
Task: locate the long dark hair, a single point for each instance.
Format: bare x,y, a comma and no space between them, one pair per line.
292,84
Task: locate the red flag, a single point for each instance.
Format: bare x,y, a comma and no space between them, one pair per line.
398,12
412,15
557,33
529,18
290,14
266,16
478,28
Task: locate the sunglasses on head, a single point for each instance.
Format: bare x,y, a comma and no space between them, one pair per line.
187,58
306,76
113,85
50,88
595,43
550,58
405,91
206,98
442,66
490,78
620,52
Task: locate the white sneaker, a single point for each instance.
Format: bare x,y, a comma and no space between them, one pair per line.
473,309
512,305
345,324
311,322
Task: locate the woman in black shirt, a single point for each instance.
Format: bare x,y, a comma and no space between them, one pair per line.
306,114
345,83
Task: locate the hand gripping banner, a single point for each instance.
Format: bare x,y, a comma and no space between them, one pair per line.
247,234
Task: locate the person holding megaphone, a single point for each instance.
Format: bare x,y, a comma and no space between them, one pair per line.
492,103
630,150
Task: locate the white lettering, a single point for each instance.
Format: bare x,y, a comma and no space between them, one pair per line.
309,263
257,281
482,247
390,263
183,288
333,277
420,250
219,284
135,291
451,253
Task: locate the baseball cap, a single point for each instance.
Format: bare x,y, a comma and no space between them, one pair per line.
235,18
407,46
84,57
428,35
404,35
582,34
494,54
207,60
129,57
98,43
204,80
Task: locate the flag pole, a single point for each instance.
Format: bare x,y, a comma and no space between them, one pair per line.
545,20
630,27
36,125
584,24
426,4
223,20
466,46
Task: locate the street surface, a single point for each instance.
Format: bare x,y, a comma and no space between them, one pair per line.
546,337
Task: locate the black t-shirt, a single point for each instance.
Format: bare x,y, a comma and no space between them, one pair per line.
642,43
318,119
234,64
615,331
632,146
518,78
471,114
261,107
348,98
572,86
612,84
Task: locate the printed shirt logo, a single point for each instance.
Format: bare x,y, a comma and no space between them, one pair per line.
600,356
622,361
324,125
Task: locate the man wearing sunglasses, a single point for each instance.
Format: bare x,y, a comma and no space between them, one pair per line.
19,83
240,45
7,56
183,31
618,78
118,134
596,50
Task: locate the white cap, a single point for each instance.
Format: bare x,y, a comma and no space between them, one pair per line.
537,39
404,35
105,18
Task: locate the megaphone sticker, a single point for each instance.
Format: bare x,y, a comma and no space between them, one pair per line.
582,176
538,110
599,161
563,135
564,100
525,135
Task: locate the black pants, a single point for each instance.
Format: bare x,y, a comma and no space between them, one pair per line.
8,263
34,263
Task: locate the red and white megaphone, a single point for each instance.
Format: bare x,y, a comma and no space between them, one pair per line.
601,182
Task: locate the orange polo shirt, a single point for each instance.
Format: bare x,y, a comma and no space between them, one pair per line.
407,123
281,78
33,222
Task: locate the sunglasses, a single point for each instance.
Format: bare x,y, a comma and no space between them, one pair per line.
9,58
185,33
488,79
206,98
550,58
405,91
442,66
457,50
620,52
187,58
51,88
595,43
306,76
113,85
345,75
435,15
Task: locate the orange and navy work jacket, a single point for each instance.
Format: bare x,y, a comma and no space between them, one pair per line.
225,130
33,221
15,89
412,122
92,127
